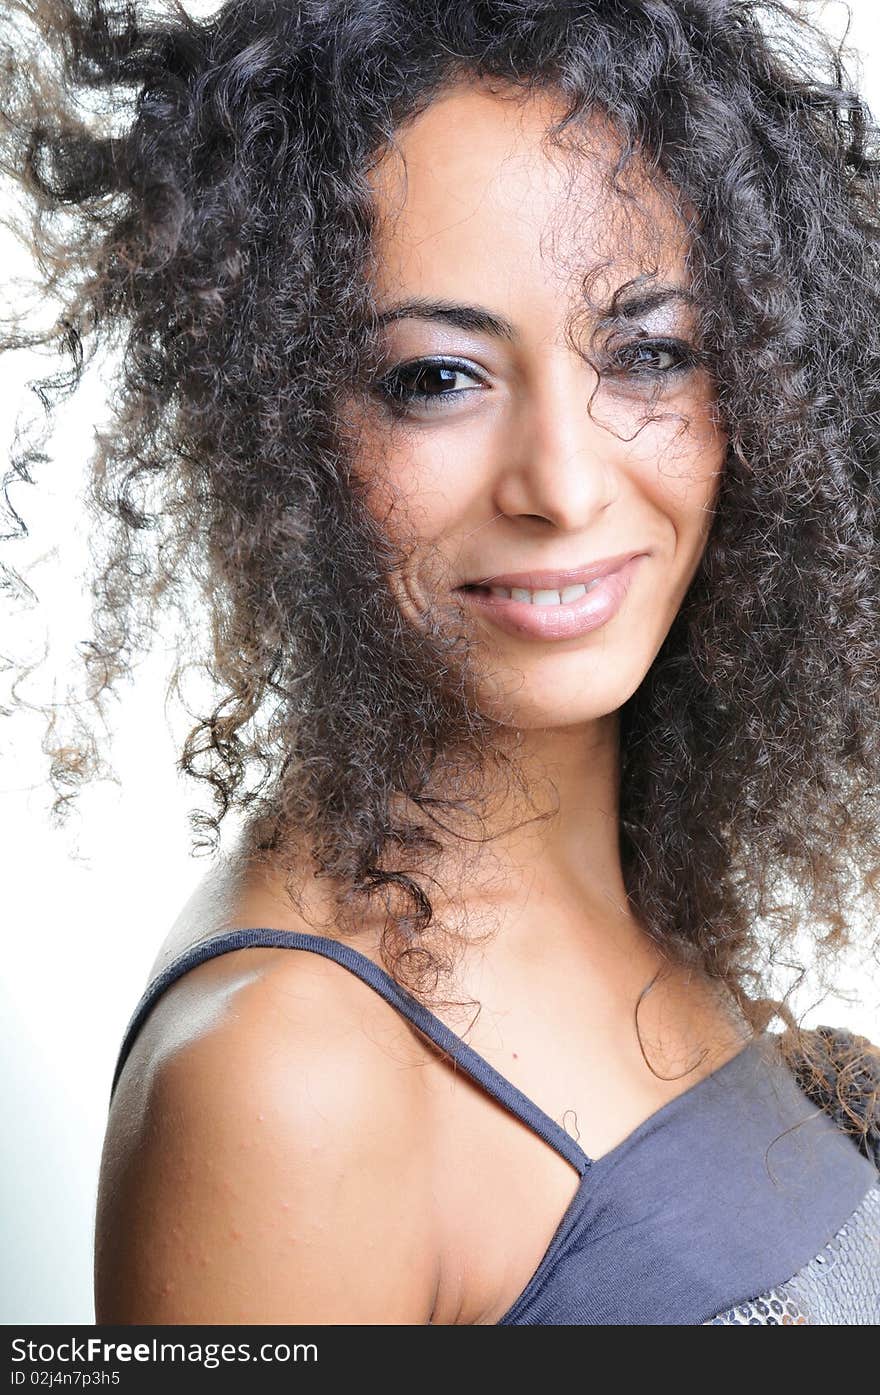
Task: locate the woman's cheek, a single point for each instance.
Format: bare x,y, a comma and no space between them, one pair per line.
683,472
433,489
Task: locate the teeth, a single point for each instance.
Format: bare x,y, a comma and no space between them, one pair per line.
568,593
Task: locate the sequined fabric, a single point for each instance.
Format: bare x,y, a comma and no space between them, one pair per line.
839,1285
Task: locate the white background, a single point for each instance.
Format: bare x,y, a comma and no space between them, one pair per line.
85,908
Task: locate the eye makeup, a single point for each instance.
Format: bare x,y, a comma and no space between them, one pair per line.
399,387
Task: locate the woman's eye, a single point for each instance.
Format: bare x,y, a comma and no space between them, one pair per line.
426,383
653,357
429,384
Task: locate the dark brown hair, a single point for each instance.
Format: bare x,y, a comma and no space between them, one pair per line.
218,235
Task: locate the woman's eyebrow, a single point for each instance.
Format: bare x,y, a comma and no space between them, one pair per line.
636,306
478,319
474,318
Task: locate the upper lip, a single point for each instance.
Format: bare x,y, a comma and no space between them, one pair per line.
554,581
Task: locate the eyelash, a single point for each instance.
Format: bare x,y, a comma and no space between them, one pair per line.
398,398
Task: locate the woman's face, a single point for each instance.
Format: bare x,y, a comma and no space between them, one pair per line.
502,471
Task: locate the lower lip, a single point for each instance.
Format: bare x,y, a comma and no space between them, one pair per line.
588,612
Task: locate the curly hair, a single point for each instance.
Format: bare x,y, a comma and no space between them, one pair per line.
219,237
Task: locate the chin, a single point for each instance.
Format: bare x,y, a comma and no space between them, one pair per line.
548,702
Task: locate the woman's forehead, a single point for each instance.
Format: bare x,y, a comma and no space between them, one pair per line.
472,192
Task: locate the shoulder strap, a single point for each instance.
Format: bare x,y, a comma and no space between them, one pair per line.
473,1064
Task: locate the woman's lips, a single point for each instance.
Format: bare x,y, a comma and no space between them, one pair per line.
557,580
566,621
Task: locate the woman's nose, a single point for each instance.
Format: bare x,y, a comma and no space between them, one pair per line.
558,461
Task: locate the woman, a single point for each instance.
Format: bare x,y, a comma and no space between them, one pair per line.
508,375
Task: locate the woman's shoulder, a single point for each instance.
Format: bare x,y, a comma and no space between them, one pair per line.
214,978
268,1033
266,1146
840,1071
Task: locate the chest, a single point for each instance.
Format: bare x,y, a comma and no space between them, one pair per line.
501,1188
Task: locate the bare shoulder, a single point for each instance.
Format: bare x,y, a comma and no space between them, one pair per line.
266,1155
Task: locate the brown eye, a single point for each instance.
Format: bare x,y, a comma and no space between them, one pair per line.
425,383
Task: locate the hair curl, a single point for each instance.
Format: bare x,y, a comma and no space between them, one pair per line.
219,238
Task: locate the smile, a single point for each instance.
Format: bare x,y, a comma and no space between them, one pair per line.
552,614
